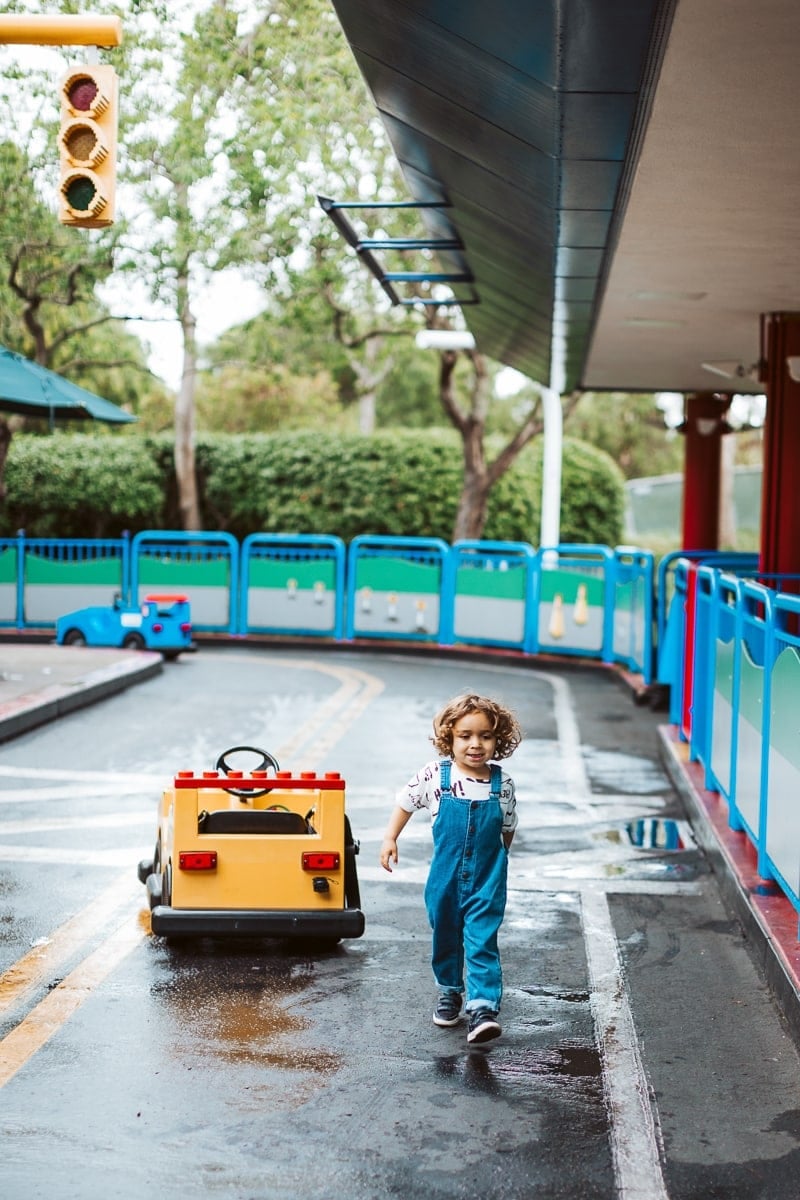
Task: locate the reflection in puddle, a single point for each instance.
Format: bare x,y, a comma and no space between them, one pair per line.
225,1012
651,833
554,994
520,1073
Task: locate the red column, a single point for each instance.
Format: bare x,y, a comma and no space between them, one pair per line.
704,425
780,511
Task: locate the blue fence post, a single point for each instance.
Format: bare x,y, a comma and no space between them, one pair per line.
194,545
404,558
764,868
447,599
493,609
20,615
126,566
305,557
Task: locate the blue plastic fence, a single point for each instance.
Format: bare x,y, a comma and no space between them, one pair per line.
578,600
746,685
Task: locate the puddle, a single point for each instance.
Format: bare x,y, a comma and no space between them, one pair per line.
660,834
513,1073
555,994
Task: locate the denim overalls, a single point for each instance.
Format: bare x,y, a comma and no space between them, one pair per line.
466,891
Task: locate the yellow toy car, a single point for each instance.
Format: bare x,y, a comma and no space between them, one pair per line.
258,853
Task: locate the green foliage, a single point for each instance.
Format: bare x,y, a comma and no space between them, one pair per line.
630,428
80,486
243,399
395,483
592,495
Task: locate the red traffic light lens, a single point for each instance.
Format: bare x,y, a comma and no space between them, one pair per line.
82,92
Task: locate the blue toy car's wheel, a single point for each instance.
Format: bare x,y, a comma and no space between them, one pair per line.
133,641
74,637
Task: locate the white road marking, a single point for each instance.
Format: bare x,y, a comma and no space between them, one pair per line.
138,779
101,821
632,1116
69,792
557,884
74,856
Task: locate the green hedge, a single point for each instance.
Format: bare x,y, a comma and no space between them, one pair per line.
398,483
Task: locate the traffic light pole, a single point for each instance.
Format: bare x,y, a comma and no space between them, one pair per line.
21,30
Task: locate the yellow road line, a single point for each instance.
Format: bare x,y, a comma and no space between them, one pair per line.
39,964
51,1013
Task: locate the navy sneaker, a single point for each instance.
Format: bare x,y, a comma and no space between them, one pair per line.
483,1025
448,1009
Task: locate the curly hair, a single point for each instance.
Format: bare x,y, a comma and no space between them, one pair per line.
504,724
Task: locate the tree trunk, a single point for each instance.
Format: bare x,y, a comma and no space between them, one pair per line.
369,376
185,466
471,514
474,498
6,434
366,412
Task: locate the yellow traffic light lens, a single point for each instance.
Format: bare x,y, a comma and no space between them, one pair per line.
81,143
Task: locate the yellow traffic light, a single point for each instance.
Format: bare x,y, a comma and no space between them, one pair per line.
88,147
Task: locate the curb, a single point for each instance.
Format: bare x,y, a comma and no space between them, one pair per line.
37,708
769,921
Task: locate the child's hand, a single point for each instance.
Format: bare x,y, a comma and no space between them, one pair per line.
388,853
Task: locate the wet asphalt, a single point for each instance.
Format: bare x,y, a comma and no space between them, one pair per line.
641,1058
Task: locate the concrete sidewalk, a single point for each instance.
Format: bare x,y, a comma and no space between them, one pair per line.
39,682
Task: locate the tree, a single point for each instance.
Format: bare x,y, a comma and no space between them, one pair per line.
49,310
470,417
630,428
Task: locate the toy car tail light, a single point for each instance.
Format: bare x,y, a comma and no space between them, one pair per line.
197,860
186,626
158,627
320,860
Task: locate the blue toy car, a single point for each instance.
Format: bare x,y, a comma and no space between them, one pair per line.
160,623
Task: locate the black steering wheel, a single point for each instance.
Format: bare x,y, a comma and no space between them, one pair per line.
265,761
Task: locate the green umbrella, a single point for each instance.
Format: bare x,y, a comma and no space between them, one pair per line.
33,391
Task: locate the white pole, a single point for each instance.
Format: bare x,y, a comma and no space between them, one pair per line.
553,445
551,475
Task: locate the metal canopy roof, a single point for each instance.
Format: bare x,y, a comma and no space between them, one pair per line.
622,174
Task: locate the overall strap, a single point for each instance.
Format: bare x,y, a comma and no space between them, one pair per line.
495,781
444,774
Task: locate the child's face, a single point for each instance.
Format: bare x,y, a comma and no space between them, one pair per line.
474,743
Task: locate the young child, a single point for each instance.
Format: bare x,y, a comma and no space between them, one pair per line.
473,810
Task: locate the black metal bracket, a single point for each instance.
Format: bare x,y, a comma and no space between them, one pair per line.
366,248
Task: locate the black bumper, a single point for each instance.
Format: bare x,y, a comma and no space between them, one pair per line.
311,923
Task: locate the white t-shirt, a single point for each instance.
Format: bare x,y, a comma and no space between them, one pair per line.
424,790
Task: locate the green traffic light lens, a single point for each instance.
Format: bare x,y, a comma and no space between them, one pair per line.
80,193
